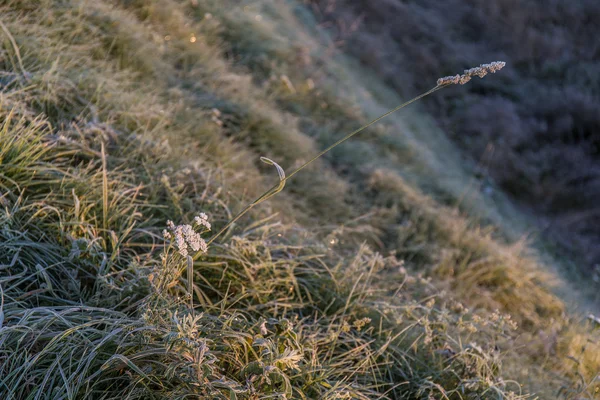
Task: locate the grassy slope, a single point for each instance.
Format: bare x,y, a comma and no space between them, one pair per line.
109,129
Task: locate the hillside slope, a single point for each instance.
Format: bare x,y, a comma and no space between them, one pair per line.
375,274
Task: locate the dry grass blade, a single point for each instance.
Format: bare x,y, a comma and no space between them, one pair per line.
15,49
104,189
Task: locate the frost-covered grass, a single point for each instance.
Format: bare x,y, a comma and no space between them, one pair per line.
116,117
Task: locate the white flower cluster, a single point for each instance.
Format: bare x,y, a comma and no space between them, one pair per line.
202,220
480,71
186,237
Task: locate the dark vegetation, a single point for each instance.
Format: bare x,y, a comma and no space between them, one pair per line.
536,129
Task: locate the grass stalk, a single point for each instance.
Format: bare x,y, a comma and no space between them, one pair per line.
104,190
283,179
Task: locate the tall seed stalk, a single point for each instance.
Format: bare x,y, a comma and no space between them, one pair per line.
480,71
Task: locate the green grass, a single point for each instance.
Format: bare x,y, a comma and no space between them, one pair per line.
360,280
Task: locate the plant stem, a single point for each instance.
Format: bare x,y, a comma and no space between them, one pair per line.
273,190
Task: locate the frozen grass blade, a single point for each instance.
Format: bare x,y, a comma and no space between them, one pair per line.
15,49
190,280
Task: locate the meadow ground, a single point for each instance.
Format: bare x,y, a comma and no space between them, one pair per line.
376,273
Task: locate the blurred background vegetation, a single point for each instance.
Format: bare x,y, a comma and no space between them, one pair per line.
535,129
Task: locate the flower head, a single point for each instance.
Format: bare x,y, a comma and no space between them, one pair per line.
480,71
202,220
186,238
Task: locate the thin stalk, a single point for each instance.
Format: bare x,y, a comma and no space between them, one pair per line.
279,186
104,189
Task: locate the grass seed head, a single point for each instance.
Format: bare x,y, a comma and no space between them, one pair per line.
480,71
